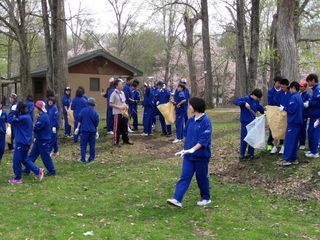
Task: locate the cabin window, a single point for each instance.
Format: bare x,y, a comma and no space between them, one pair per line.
95,84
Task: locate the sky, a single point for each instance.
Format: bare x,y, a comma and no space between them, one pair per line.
102,12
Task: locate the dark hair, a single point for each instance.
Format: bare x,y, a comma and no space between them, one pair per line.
198,104
183,86
79,92
134,84
116,82
22,108
257,92
311,77
136,81
277,79
52,99
29,97
82,89
284,81
295,85
50,93
129,78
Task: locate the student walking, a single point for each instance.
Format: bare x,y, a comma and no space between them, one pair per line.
136,96
78,103
3,129
13,104
54,117
66,103
179,102
196,155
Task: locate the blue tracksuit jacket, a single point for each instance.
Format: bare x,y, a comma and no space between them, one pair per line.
89,120
295,110
282,98
22,126
246,115
42,129
314,102
127,92
3,121
66,102
78,103
271,94
180,96
30,105
53,114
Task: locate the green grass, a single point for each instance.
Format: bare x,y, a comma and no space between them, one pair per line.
123,196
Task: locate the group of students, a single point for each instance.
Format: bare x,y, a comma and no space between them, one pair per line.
153,96
301,107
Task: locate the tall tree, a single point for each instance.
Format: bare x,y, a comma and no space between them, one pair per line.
254,47
14,18
207,54
286,41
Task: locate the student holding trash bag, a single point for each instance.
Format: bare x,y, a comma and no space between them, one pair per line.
294,111
88,123
196,155
249,105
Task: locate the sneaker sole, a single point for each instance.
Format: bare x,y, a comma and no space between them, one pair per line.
172,204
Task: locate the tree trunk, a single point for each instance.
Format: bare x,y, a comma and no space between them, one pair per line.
26,83
167,66
189,25
48,44
273,49
241,65
208,94
286,39
9,65
254,48
59,47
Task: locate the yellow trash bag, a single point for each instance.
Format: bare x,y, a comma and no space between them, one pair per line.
70,117
168,112
8,133
277,121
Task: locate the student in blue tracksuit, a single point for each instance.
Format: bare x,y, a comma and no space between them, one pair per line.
66,103
313,106
305,98
148,104
154,91
127,89
87,127
110,117
179,101
30,104
187,96
78,103
13,102
42,135
271,94
281,98
196,155
136,96
163,97
54,117
20,119
249,105
49,93
294,111
3,121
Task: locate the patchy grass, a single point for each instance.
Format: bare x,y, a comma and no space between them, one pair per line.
123,194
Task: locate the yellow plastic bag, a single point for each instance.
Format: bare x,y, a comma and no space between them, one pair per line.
277,121
70,117
8,133
168,112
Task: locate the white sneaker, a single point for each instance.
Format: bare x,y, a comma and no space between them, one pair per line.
174,202
129,130
56,154
307,152
274,150
110,133
311,155
284,163
177,141
145,134
302,147
282,150
203,202
51,154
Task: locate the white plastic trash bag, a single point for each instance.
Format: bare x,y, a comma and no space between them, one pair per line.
256,133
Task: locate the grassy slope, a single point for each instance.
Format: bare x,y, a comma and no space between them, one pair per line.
122,196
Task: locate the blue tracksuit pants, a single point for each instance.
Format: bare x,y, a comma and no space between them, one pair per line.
186,117
134,116
67,126
303,133
179,125
109,119
148,120
54,142
291,143
85,139
11,145
189,167
42,148
2,144
243,144
20,156
313,136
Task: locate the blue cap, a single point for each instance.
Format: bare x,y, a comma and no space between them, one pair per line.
91,101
